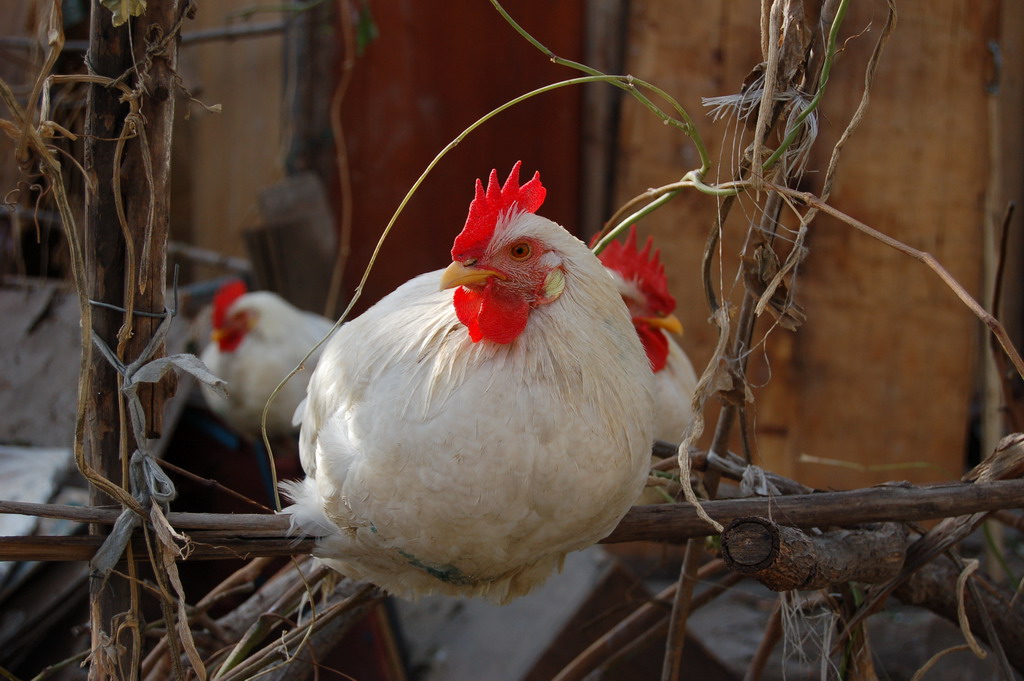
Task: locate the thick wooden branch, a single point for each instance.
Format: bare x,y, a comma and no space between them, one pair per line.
934,587
231,535
1006,462
888,503
784,558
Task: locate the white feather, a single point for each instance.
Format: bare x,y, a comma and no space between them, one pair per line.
673,395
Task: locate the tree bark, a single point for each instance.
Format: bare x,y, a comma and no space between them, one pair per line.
785,558
674,522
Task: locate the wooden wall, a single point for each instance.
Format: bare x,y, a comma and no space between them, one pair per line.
428,75
884,371
222,161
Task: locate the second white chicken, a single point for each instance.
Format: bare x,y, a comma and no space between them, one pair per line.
258,338
640,278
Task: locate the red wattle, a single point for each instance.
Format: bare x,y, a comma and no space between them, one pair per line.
230,341
467,309
655,344
491,313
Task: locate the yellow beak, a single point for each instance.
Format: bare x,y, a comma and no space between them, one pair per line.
458,274
670,323
218,334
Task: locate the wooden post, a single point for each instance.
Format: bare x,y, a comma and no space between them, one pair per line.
147,67
104,264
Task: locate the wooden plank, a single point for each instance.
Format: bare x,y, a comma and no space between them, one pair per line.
292,251
605,51
415,87
892,337
1006,96
228,157
39,346
883,371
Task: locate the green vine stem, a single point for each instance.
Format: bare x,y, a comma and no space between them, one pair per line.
826,68
663,195
687,125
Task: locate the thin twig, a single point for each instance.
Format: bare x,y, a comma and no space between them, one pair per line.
268,621
295,637
744,328
211,483
346,196
686,124
798,252
830,53
771,636
738,357
993,324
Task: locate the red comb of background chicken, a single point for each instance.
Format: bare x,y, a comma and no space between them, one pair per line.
226,295
642,268
487,206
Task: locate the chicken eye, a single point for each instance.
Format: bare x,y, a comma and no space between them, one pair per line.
520,251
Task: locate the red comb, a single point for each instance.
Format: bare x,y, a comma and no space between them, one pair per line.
643,268
226,295
488,206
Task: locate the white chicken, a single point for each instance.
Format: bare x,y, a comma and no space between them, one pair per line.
480,422
640,279
258,338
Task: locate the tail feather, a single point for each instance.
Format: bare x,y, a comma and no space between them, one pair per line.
300,410
306,514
